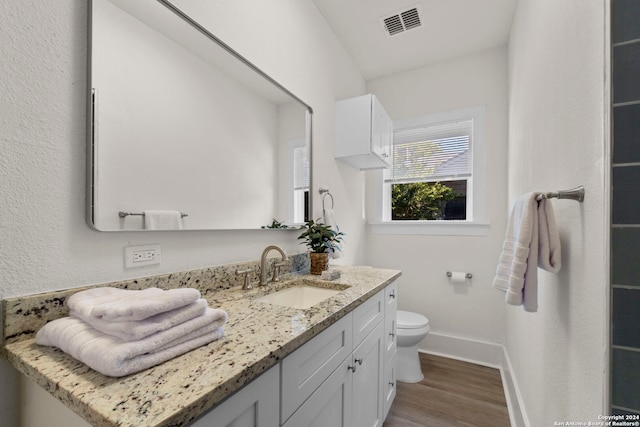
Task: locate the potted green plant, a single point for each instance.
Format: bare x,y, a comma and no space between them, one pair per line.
322,240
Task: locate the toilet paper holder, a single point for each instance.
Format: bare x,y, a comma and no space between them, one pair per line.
467,275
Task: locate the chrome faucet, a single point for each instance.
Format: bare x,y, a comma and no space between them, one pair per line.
263,262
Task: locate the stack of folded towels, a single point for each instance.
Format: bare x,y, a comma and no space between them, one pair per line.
118,332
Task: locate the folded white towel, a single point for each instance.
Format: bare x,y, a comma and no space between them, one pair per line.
114,357
532,239
137,329
122,305
162,220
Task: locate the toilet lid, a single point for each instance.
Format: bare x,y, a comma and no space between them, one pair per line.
409,320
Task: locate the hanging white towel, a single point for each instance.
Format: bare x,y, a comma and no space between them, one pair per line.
122,305
162,220
114,357
531,240
133,330
549,253
330,219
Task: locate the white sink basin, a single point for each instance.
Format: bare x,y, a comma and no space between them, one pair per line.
302,296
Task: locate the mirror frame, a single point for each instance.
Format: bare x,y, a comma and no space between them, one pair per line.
90,112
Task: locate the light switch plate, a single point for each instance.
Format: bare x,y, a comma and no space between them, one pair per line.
142,255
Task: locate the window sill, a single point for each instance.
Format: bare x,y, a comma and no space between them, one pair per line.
431,228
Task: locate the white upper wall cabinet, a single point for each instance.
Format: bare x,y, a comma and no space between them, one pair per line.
364,133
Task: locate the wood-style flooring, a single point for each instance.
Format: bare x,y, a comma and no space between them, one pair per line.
453,393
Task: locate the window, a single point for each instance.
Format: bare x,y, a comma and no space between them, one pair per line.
300,163
431,171
437,173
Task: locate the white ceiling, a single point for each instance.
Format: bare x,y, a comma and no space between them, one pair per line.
450,28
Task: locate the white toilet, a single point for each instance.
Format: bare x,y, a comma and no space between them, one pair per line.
411,329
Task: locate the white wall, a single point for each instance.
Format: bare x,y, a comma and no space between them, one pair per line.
557,140
45,242
473,312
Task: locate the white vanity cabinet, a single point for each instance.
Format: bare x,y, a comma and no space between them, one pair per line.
255,405
364,133
343,377
354,391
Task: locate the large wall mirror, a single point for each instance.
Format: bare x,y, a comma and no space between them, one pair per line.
178,121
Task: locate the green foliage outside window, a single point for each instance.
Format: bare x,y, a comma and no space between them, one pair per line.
420,200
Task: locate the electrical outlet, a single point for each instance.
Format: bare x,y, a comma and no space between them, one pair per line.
139,256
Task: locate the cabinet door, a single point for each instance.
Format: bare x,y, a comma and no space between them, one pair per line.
368,408
390,314
381,132
389,385
304,370
255,405
390,338
330,404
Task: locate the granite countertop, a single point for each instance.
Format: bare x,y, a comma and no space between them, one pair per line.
257,336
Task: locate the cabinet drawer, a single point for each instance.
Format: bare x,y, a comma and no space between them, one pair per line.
391,295
367,316
304,370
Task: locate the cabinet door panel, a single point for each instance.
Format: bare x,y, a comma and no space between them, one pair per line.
368,409
389,385
304,370
382,132
329,405
255,405
367,316
390,338
390,322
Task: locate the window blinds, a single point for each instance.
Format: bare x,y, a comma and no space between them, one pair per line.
300,169
432,153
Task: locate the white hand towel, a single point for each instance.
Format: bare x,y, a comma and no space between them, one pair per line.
137,329
532,239
549,238
162,220
122,305
330,219
114,357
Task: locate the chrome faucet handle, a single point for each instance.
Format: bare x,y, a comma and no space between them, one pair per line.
247,279
276,270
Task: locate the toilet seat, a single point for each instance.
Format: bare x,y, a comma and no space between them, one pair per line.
409,320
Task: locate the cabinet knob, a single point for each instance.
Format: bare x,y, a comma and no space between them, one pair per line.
351,368
358,361
392,383
391,334
393,294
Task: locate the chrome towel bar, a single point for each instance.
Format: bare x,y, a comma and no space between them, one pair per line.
123,214
572,194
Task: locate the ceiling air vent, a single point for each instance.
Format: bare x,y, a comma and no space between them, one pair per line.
402,21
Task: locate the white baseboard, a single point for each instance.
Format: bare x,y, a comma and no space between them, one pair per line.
468,350
517,414
482,353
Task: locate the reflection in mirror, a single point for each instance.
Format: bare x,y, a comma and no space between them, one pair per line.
182,123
